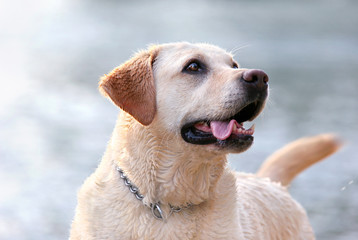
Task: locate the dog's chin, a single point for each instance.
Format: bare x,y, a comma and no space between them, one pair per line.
235,144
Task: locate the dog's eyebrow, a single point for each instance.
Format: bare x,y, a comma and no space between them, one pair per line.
199,57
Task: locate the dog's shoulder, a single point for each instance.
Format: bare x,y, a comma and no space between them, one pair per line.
247,183
265,209
265,195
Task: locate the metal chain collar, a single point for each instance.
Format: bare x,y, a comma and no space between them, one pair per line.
155,207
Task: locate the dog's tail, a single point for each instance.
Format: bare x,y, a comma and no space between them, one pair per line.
283,165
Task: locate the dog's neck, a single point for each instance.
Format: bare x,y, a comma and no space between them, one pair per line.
161,170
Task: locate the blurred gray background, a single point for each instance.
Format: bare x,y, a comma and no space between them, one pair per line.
54,125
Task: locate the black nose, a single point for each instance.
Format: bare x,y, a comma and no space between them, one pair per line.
256,76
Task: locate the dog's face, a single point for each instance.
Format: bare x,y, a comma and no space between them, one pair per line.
195,92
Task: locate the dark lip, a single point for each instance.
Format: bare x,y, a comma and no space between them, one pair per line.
194,136
247,113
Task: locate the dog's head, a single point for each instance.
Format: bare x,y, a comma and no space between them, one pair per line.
195,92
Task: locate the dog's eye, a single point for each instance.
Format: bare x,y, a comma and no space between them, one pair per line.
234,65
193,67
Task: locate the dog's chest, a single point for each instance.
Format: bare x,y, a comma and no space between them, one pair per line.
192,224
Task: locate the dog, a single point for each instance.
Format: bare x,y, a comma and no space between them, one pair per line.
164,174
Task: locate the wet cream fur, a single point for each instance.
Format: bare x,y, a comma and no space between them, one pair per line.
226,204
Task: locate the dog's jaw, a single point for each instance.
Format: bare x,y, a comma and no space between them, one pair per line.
227,133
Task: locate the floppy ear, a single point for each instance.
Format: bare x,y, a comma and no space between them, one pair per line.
131,86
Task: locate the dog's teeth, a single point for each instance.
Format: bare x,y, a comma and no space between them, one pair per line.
252,127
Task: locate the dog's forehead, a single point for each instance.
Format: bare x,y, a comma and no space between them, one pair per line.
181,52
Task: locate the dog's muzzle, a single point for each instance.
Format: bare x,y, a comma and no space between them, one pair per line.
230,132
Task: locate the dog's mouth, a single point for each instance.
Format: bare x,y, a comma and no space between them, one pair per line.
223,132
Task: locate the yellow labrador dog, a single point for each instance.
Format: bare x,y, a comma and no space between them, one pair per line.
164,174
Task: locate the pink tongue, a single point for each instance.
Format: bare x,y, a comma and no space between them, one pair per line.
222,130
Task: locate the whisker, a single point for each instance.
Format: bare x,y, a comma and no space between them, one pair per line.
236,49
